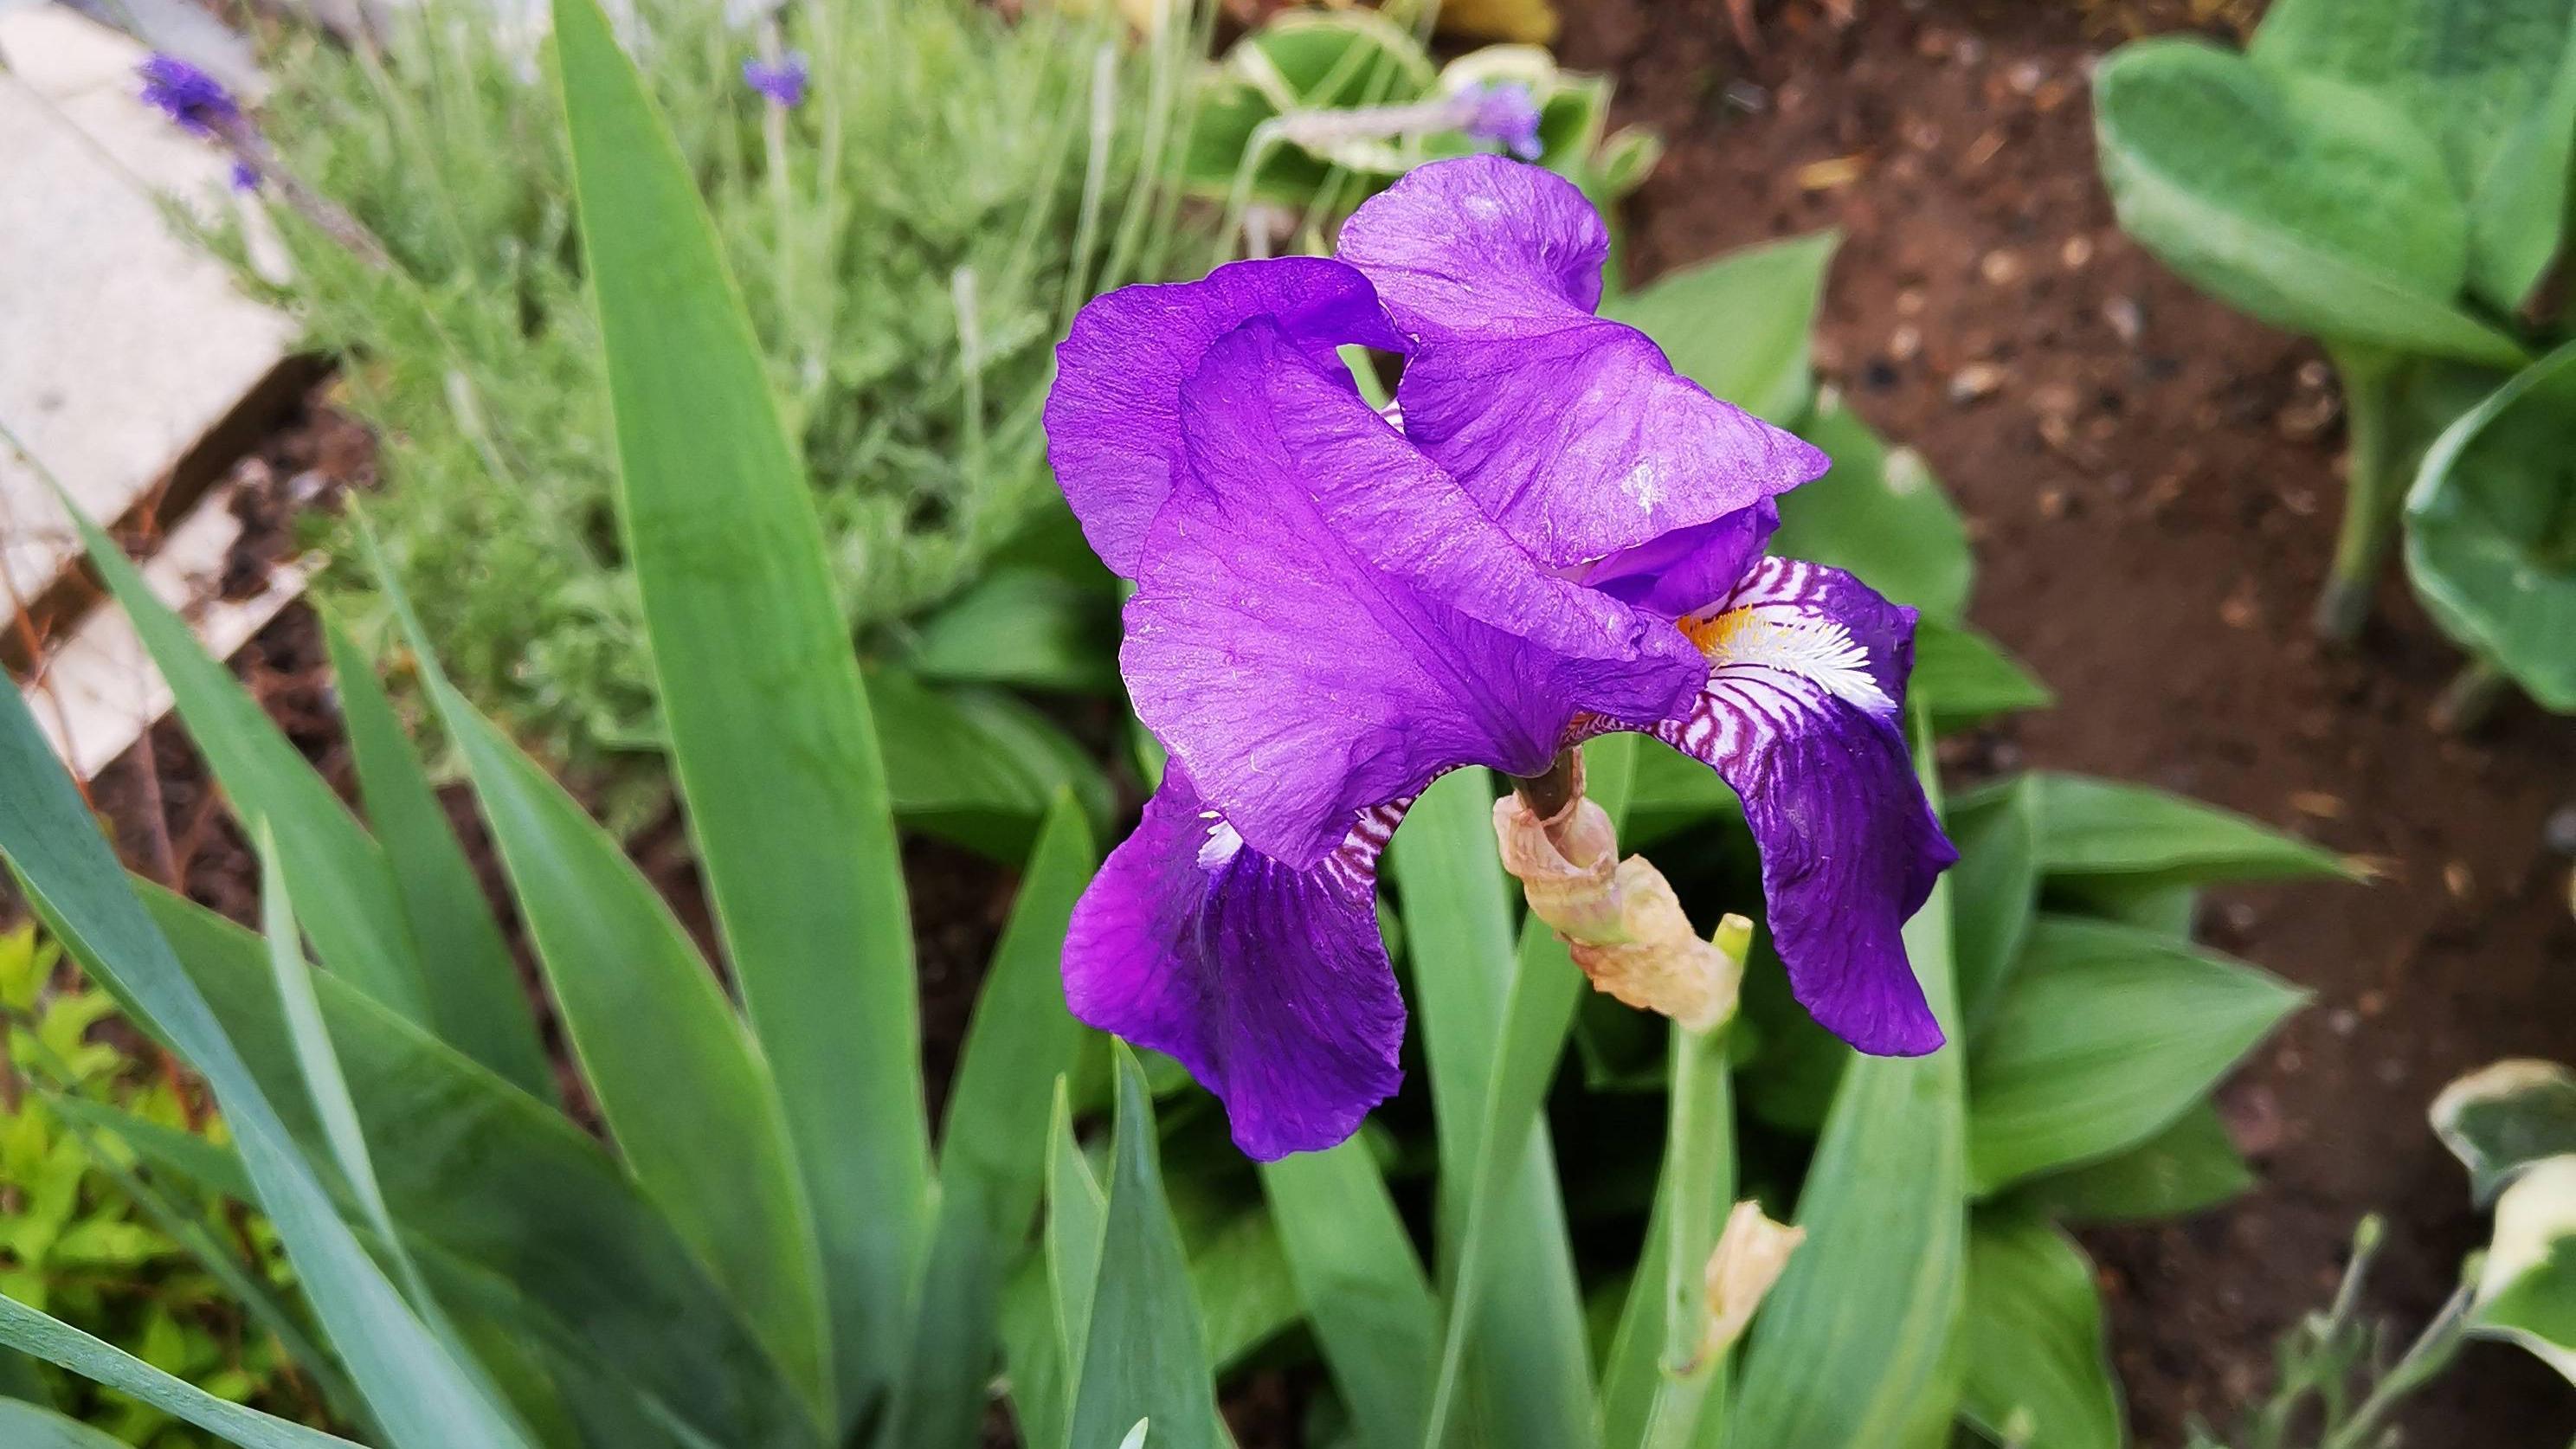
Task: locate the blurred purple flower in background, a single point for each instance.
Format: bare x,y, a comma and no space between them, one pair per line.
1507,114
782,80
1560,538
193,100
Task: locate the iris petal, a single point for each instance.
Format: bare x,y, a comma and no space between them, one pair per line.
1800,716
1269,983
1569,430
1113,417
1324,622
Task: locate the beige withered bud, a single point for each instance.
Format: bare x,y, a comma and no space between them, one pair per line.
1751,1253
1618,918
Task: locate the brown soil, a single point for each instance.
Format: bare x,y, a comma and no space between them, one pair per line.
2152,484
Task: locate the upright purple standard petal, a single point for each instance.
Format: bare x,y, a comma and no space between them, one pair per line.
1569,430
1269,983
1800,716
1324,622
1681,571
1113,418
195,102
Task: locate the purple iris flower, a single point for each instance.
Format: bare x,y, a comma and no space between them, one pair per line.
1508,114
1559,538
782,80
194,101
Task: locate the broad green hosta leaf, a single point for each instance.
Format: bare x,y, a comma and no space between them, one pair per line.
2501,1119
1879,514
2110,834
2490,81
2104,1036
2527,1292
477,1172
474,995
2312,204
1994,891
771,736
1739,325
30,1332
1849,1349
2038,1374
1143,1354
2188,1166
1362,1286
2491,533
357,922
420,1396
1965,678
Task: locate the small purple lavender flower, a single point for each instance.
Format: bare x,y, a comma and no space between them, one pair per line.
245,177
195,102
1561,538
782,80
1506,113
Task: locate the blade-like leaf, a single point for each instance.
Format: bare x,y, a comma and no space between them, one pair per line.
2502,1118
30,1332
421,1398
475,1000
1144,1353
769,725
2312,204
27,1426
993,1147
686,1095
1045,1360
1851,1344
2106,1034
2188,1166
2107,832
357,912
1362,1285
1739,325
480,1173
2038,1372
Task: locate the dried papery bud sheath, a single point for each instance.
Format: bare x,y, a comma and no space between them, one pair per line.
1619,919
1751,1254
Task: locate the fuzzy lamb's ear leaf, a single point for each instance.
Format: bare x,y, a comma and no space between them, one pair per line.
2493,84
2038,1367
2105,1035
2310,203
2486,533
2502,1119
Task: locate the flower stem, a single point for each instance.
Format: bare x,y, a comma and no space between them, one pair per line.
2372,491
1699,1176
1554,790
2470,697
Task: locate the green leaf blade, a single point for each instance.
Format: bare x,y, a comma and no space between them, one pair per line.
770,731
2038,1366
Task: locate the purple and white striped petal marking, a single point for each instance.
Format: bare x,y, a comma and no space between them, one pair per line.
1807,666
